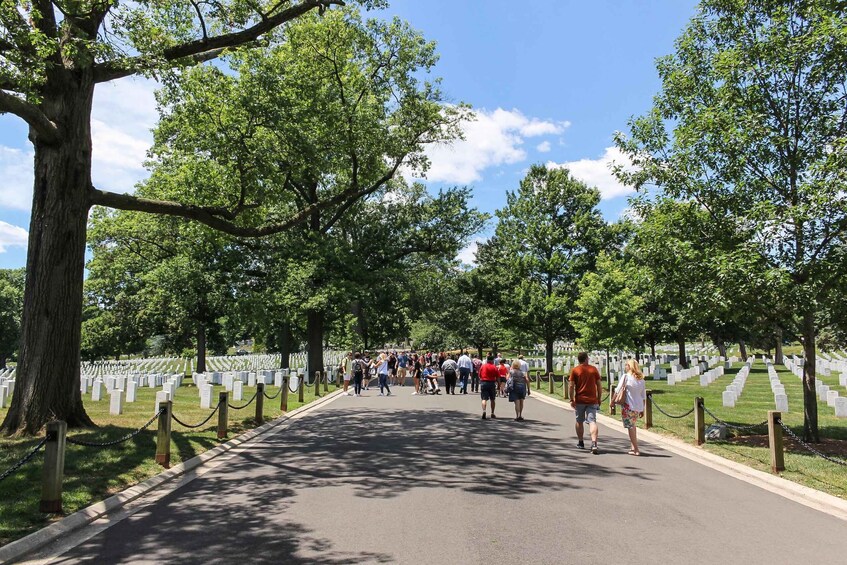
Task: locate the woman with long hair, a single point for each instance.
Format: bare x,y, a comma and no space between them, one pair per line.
632,406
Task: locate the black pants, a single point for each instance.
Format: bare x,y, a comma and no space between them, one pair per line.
357,383
450,381
475,382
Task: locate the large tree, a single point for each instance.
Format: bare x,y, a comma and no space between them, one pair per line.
547,237
751,123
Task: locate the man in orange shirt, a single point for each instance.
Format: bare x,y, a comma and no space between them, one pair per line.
586,389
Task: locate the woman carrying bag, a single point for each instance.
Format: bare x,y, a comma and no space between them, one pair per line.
630,395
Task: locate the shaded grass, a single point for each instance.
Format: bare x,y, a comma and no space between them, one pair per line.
93,474
751,447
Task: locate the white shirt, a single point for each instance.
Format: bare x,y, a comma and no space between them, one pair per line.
636,392
383,366
465,362
524,366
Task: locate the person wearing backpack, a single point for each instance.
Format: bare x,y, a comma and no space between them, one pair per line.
631,394
359,370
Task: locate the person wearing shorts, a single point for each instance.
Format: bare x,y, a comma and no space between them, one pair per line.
402,367
503,371
488,376
586,390
347,372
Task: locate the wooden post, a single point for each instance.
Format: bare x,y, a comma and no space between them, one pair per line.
613,409
223,414
317,384
537,380
260,404
699,422
552,382
163,436
301,390
54,467
565,385
326,381
775,441
283,403
648,410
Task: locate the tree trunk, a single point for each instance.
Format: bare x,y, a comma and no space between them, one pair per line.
2,361
548,353
680,341
721,345
479,348
201,348
653,349
742,349
285,345
810,398
315,340
778,353
48,373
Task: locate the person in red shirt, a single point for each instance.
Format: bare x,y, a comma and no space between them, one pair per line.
488,376
586,389
503,374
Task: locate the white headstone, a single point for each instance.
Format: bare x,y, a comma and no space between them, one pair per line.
206,396
251,379
841,407
4,395
781,401
238,390
161,396
831,397
729,399
131,389
97,389
116,402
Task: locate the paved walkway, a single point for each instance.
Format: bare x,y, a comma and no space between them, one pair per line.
421,480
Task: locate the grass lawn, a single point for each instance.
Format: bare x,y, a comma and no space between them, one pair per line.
93,474
751,448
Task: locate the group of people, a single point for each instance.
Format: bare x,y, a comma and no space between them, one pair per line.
497,378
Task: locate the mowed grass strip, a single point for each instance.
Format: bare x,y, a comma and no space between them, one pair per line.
751,447
94,474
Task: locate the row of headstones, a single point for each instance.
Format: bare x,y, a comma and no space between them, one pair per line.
733,390
7,388
824,392
780,397
234,382
127,366
124,389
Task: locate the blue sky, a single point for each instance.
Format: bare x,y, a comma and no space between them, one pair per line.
550,81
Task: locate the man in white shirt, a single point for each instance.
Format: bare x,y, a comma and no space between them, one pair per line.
524,365
465,368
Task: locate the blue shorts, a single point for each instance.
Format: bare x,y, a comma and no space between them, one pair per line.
488,390
587,412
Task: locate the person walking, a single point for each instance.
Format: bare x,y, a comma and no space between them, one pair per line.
347,372
477,366
415,364
449,368
518,389
586,390
503,371
488,377
392,367
371,370
635,395
360,369
465,369
402,367
382,372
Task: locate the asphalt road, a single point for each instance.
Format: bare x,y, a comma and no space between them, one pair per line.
419,480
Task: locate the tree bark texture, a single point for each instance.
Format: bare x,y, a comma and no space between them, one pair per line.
548,353
810,397
721,345
314,339
778,357
201,348
680,341
742,349
285,345
48,374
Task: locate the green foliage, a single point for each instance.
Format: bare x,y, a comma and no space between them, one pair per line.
608,309
11,306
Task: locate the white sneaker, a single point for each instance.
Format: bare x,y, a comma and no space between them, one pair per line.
349,394
414,393
381,394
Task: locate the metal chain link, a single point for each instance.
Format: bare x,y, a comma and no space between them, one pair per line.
296,389
733,426
808,447
201,424
605,398
24,460
269,397
659,408
127,437
249,402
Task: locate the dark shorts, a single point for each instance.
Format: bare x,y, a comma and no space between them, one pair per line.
518,392
488,390
503,379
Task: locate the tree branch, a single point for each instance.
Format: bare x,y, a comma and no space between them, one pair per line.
46,130
201,49
360,193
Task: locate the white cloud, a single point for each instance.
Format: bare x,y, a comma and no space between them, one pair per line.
16,175
598,172
123,115
543,147
468,255
11,236
492,139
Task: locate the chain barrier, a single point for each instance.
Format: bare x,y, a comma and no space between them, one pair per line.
299,384
249,402
605,398
201,424
127,437
659,408
733,426
269,397
808,447
24,460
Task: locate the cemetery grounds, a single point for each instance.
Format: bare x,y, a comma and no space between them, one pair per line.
94,474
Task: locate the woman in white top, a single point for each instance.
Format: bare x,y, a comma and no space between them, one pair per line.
633,405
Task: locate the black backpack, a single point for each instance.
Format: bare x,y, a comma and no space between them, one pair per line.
357,368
